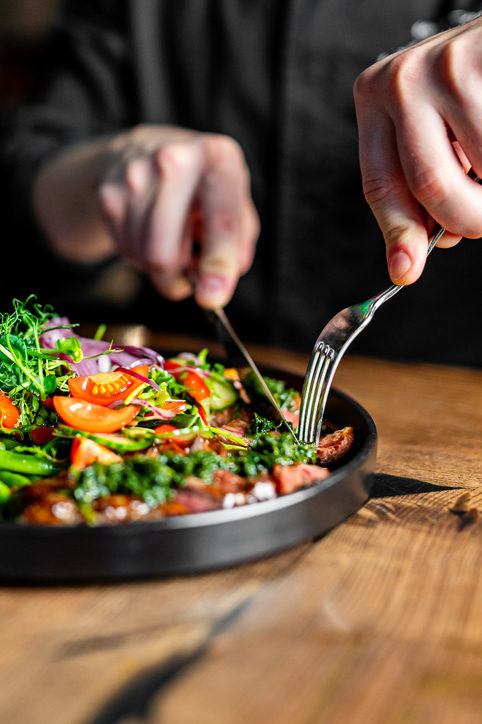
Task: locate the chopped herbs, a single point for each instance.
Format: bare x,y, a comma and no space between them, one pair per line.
285,397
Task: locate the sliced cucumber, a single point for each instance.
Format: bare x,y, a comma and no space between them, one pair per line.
115,441
223,393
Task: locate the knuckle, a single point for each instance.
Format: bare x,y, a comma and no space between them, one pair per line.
403,74
223,151
451,66
174,160
429,188
378,187
395,236
137,175
364,86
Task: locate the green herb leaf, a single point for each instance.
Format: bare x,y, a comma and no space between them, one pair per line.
71,347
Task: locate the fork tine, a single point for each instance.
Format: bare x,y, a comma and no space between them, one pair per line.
308,391
324,390
312,396
317,396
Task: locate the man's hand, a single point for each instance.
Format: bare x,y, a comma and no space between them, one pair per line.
141,194
419,114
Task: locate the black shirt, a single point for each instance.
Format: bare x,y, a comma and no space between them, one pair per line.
278,77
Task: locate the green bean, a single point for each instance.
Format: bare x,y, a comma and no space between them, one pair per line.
4,493
23,463
8,443
13,480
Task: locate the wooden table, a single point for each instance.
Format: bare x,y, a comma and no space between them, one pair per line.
379,622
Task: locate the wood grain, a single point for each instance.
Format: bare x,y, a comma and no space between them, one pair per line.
379,622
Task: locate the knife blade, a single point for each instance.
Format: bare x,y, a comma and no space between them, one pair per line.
239,355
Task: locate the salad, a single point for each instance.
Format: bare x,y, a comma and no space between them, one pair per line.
95,433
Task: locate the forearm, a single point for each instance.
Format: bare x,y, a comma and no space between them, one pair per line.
66,204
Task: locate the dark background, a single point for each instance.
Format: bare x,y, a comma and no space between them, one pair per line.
24,25
119,293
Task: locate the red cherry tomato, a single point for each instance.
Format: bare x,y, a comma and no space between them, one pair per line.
93,418
106,387
174,406
40,435
162,429
195,384
197,388
9,415
179,439
84,452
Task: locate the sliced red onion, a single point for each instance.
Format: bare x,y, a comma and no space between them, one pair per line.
130,371
190,356
127,357
190,368
158,412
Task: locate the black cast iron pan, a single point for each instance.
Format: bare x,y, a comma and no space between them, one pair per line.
201,541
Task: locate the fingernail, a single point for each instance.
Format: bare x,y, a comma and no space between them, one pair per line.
212,290
399,263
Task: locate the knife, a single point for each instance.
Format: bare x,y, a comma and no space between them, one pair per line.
238,355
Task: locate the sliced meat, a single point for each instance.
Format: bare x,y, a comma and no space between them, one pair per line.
219,418
228,481
197,501
238,427
123,509
226,491
211,444
334,446
261,488
222,417
292,416
166,446
45,506
231,486
170,507
289,478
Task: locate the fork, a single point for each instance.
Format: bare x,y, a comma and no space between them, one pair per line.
330,347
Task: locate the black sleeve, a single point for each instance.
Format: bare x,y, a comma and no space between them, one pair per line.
84,90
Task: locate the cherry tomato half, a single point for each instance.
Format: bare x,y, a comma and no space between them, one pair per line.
9,415
106,387
93,418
